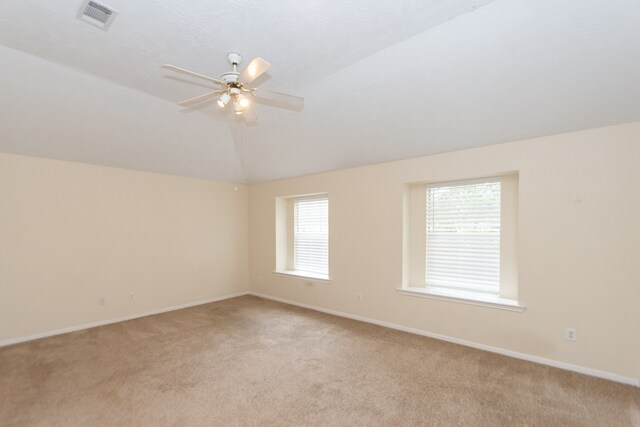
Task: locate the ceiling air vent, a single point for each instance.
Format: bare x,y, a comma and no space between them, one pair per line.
97,14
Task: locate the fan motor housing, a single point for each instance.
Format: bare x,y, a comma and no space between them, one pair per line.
230,77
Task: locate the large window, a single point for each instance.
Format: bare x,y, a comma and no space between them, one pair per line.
463,237
461,240
302,236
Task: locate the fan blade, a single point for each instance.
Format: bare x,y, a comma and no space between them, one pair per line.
200,98
255,69
289,101
191,73
248,115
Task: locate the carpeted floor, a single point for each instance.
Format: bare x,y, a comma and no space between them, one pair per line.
249,361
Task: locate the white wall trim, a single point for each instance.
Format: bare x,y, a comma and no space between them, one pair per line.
531,358
463,298
26,338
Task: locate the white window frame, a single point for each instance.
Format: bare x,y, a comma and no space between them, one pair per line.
285,238
415,246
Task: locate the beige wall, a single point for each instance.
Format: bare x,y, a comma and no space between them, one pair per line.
70,233
578,249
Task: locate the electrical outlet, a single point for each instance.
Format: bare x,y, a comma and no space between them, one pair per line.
101,301
571,334
132,296
359,296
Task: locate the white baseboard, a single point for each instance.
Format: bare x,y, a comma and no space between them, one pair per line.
17,340
531,358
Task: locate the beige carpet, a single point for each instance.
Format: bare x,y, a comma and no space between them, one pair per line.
249,361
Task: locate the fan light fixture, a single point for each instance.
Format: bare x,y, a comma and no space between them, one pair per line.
224,100
238,107
244,102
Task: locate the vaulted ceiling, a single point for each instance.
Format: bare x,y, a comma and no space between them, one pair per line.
381,80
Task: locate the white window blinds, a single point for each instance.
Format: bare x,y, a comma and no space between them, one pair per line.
311,235
463,236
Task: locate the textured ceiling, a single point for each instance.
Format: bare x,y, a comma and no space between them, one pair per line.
303,40
381,80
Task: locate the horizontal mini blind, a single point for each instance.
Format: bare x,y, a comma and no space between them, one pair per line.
463,237
311,235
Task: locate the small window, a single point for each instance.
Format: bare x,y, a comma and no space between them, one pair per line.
302,236
311,235
461,239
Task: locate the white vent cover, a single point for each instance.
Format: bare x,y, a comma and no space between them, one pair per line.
97,14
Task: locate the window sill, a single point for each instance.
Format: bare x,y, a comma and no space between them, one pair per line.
483,301
305,276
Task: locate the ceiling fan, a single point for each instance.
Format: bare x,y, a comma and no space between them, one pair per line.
235,91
